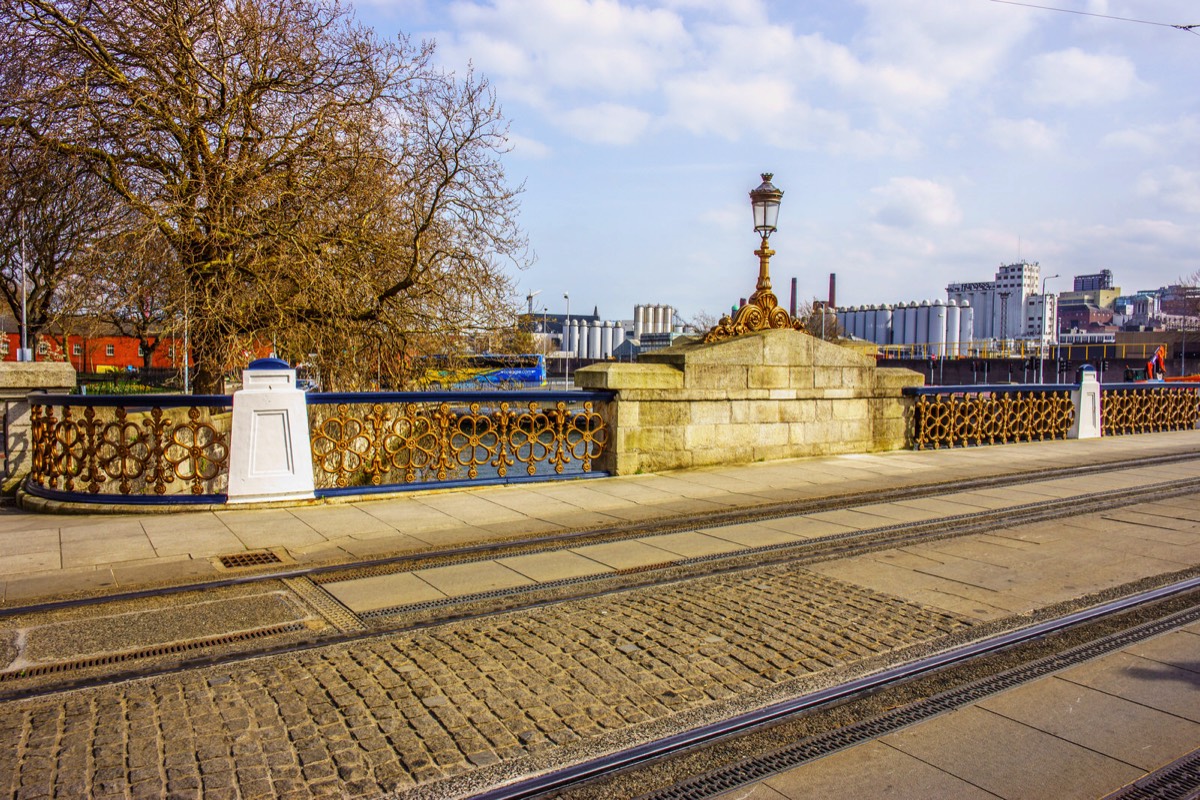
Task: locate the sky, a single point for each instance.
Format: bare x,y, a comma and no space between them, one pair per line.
917,142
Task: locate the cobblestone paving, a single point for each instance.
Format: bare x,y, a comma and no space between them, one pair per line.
388,714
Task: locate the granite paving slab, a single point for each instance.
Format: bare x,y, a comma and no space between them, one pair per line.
1118,728
1009,759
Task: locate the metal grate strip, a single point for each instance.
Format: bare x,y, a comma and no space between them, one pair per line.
323,604
765,766
1179,780
174,648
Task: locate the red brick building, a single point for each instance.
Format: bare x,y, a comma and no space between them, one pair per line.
95,353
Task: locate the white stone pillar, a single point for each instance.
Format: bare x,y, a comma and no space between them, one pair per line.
1087,407
270,456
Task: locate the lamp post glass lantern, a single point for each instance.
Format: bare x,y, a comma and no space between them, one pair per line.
765,202
763,310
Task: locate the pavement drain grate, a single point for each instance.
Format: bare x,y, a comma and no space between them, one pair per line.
256,558
1179,780
173,648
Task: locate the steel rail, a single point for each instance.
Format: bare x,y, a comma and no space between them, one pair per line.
545,595
672,524
669,745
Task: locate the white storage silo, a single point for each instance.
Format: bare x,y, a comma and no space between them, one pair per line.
639,321
571,339
910,324
581,340
937,328
593,350
883,324
953,323
923,327
618,335
606,340
966,328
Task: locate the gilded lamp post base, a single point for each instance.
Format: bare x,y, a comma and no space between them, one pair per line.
762,312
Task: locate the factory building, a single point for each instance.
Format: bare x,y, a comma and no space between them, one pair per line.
1000,305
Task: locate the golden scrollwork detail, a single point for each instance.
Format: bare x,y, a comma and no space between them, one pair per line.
410,442
1149,410
761,313
961,417
116,450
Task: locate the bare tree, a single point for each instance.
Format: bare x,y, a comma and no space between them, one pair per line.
50,211
318,187
129,275
820,321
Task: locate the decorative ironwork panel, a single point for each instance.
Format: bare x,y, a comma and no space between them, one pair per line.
398,442
109,449
1148,410
964,417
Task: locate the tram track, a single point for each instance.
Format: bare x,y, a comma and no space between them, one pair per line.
304,586
474,691
713,759
325,573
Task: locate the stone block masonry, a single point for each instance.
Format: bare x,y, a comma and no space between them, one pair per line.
769,395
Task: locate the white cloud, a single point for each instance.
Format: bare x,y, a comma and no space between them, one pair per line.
1074,78
606,123
1156,138
595,45
914,202
524,147
1022,135
926,49
1172,188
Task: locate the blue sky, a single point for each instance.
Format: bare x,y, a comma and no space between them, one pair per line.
918,142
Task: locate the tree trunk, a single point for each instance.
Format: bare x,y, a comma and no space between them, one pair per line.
208,374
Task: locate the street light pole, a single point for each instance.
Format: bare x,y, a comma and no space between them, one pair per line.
1042,337
763,311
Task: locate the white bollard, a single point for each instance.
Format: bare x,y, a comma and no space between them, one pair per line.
270,456
1087,407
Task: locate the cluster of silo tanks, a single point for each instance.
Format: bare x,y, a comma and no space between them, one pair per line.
599,338
594,338
940,328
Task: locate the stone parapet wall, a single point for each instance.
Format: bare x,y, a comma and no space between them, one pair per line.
770,395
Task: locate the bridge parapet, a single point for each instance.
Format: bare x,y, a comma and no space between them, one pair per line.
759,397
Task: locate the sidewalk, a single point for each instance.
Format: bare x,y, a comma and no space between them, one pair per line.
46,555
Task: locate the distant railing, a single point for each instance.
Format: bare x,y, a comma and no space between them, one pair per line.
137,449
959,416
1149,407
384,441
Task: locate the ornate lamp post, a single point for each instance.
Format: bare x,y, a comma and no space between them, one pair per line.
762,311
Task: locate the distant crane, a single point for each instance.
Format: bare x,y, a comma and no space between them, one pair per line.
529,297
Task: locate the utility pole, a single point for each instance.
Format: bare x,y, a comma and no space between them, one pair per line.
567,343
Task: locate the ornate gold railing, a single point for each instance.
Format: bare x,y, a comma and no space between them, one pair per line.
374,441
957,416
1147,408
174,448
